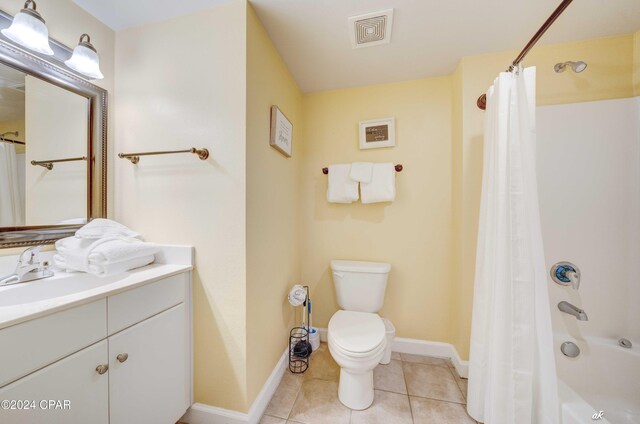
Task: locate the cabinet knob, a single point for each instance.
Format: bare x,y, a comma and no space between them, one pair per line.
101,369
122,357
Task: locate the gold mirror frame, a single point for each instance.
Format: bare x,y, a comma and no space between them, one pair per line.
52,70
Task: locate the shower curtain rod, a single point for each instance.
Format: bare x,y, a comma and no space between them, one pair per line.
8,140
482,100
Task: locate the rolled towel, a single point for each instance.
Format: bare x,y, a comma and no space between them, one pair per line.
361,172
80,253
341,188
100,227
382,187
119,249
104,269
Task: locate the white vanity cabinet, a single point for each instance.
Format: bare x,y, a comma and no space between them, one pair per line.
125,358
73,379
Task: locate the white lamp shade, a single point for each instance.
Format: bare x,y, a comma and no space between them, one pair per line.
85,61
30,32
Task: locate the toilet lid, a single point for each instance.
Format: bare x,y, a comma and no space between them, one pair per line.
356,332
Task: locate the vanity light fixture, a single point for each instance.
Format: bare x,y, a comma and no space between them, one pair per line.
29,30
85,59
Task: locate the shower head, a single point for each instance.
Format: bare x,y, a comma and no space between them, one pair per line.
577,67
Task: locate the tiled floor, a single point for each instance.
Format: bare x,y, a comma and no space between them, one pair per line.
411,389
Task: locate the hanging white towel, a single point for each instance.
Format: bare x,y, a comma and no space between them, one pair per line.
361,172
341,188
382,187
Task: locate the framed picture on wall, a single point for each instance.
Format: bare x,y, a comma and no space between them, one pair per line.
281,132
378,133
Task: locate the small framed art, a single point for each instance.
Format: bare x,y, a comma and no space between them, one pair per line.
281,132
377,133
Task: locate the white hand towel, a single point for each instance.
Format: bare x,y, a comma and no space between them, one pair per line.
101,227
361,172
341,188
382,187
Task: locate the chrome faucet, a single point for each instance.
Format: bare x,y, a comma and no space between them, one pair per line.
568,308
30,267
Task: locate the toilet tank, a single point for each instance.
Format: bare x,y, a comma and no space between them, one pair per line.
360,285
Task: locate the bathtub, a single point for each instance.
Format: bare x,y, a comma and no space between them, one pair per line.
604,377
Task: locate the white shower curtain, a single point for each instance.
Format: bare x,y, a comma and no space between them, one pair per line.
11,213
512,377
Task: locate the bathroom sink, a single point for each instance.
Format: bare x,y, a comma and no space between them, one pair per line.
50,288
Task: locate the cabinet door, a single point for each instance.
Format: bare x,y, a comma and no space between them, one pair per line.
73,379
150,385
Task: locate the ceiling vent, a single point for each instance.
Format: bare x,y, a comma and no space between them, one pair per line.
371,29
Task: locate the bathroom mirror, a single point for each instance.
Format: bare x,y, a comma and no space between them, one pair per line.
53,127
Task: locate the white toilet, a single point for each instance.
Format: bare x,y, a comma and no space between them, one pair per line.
356,334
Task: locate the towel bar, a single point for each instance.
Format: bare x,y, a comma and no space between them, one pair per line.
203,154
398,167
49,163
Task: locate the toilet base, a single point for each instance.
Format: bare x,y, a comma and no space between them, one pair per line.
355,390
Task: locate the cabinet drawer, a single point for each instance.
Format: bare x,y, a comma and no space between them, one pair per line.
73,379
131,307
34,344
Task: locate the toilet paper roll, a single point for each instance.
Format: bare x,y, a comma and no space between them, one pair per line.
297,295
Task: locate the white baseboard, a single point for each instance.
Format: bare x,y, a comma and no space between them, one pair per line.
204,414
423,347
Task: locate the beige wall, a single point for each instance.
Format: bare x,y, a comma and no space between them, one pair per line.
636,63
273,206
6,126
56,128
609,75
414,233
182,83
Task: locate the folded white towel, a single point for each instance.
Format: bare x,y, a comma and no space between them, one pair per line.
79,253
104,269
382,187
341,188
101,227
119,267
361,172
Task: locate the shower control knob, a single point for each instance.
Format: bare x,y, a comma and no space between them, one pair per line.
122,357
566,274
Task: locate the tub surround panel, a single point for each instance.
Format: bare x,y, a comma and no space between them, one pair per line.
602,182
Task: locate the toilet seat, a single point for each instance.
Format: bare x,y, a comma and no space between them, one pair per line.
356,334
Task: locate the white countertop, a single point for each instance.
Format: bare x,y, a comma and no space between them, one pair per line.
96,287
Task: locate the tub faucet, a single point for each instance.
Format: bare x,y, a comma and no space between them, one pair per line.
29,268
568,308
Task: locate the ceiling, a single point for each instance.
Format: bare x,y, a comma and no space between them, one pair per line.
429,37
122,14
